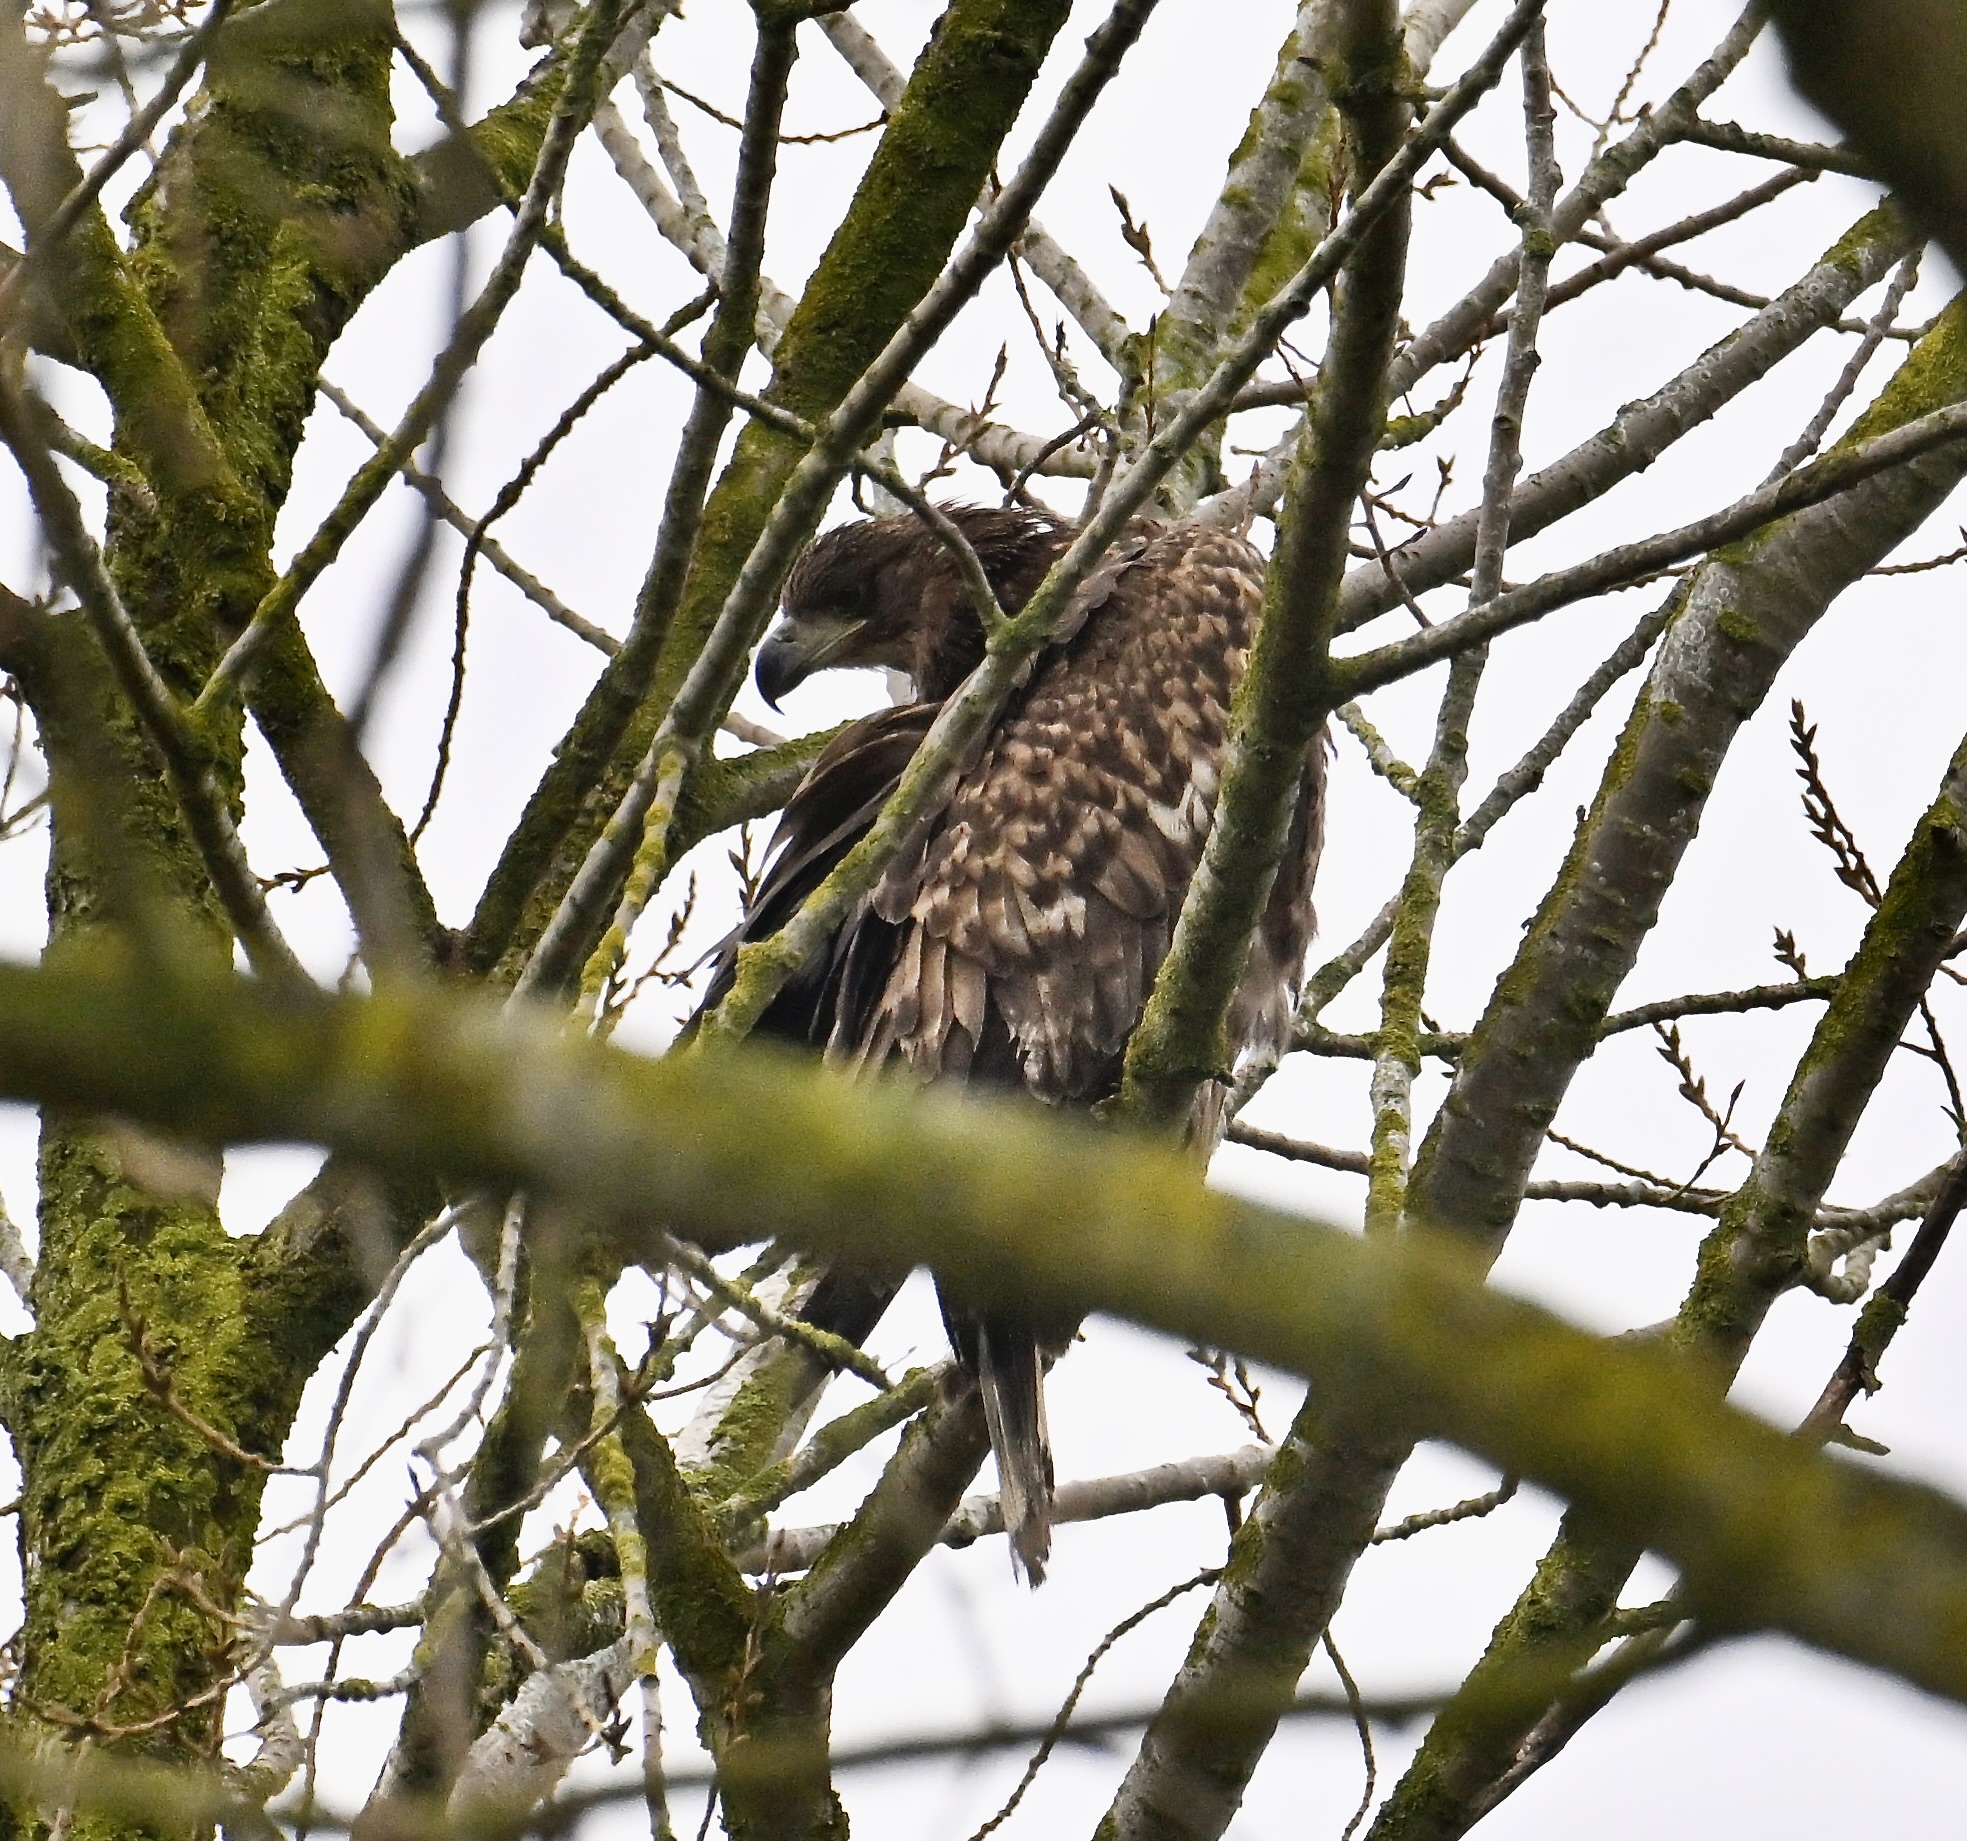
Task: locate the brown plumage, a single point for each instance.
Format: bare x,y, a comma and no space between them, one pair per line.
1017,943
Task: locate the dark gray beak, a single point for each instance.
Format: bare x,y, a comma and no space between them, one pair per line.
781,665
795,649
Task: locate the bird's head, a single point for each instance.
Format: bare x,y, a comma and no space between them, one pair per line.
885,592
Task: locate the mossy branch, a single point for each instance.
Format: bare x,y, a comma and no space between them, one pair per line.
1262,189
475,325
1410,945
206,812
827,1450
706,1611
1767,1533
869,1560
1641,432
116,335
636,846
1742,616
1284,698
1838,473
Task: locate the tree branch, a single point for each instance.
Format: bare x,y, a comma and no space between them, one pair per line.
1284,699
1232,1474
1758,1250
1643,431
1768,1534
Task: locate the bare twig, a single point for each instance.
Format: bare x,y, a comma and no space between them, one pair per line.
1062,1720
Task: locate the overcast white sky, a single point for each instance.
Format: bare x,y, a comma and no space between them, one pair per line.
1760,1736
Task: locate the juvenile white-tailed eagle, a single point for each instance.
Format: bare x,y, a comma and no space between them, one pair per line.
1017,944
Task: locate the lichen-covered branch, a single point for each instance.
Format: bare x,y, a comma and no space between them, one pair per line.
206,812
1739,621
1837,474
1767,1533
868,1560
1286,1568
1410,945
826,1450
1744,614
611,1476
1520,781
1260,186
1884,1315
475,326
1643,431
1049,260
568,935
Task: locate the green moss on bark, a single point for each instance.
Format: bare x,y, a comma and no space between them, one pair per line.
276,207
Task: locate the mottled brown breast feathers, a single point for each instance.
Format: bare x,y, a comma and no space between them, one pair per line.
1029,928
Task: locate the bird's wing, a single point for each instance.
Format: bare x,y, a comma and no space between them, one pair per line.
843,791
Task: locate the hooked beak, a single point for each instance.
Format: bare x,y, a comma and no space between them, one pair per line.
795,649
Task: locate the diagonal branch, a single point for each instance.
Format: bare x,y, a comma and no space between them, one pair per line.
1284,699
206,812
1740,619
1835,476
475,326
1049,260
1643,431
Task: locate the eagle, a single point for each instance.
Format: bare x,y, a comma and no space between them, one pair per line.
1015,942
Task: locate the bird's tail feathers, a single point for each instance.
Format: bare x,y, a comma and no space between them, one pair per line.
1011,1373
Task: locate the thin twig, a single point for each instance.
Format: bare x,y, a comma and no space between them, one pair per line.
1876,328
1062,1720
835,1351
474,327
1363,1726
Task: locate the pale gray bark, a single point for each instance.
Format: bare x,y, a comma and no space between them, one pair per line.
1426,24
1230,1473
695,233
1463,324
1761,1247
1261,178
520,1759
